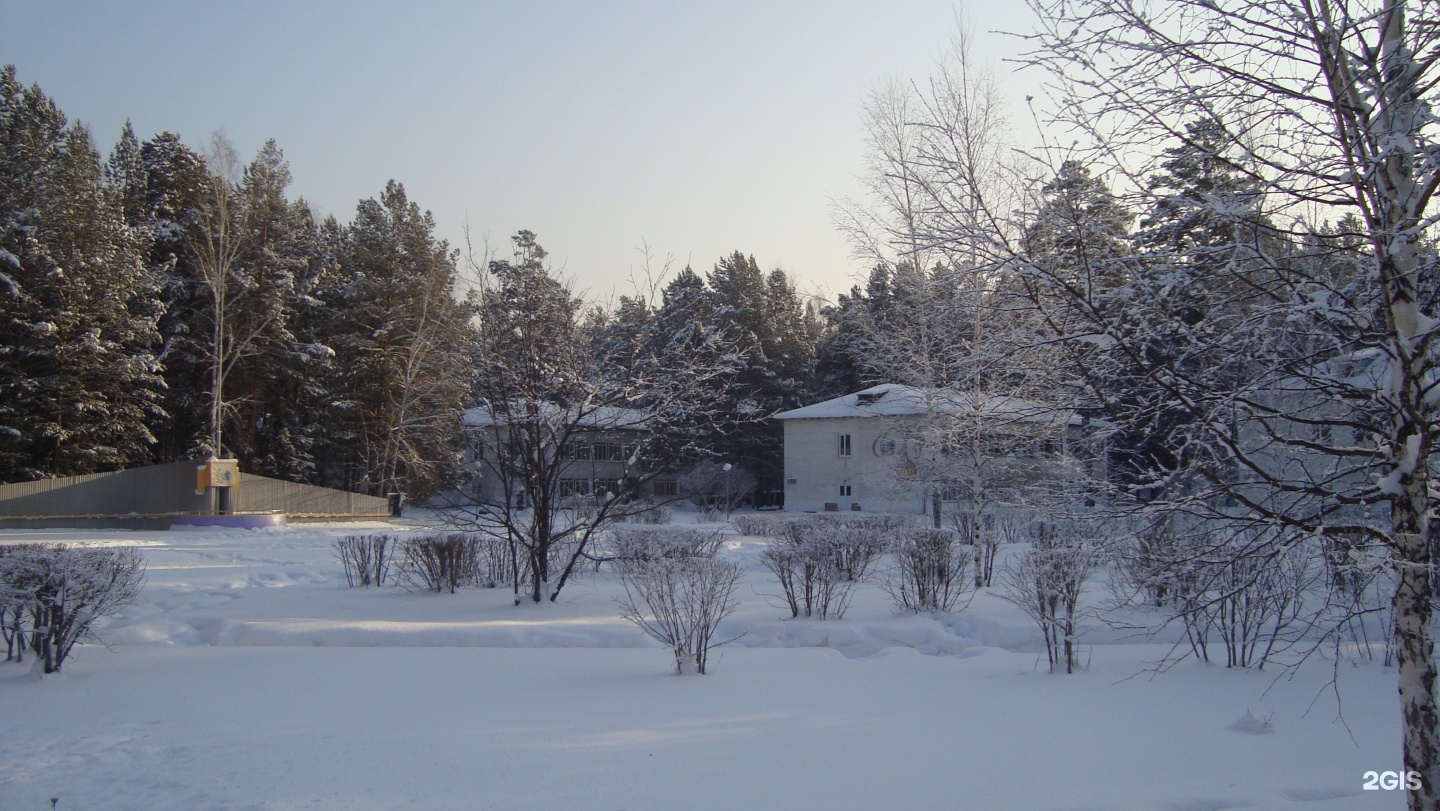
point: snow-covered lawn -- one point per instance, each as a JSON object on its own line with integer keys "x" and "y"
{"x": 249, "y": 677}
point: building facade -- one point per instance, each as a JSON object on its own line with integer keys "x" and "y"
{"x": 899, "y": 449}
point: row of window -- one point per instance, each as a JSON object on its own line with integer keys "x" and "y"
{"x": 886, "y": 447}
{"x": 584, "y": 488}
{"x": 599, "y": 451}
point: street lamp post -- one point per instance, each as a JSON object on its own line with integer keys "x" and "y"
{"x": 728, "y": 496}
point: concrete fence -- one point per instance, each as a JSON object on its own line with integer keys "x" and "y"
{"x": 161, "y": 490}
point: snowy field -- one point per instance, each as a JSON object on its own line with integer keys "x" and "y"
{"x": 248, "y": 676}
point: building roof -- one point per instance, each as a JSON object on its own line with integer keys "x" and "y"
{"x": 896, "y": 400}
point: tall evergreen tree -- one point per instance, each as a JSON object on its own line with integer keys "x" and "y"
{"x": 763, "y": 318}
{"x": 1201, "y": 257}
{"x": 77, "y": 380}
{"x": 275, "y": 256}
{"x": 171, "y": 192}
{"x": 403, "y": 344}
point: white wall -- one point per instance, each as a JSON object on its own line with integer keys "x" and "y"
{"x": 814, "y": 469}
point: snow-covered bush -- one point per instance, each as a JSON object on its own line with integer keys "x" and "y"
{"x": 764, "y": 526}
{"x": 16, "y": 590}
{"x": 657, "y": 515}
{"x": 818, "y": 562}
{"x": 65, "y": 589}
{"x": 651, "y": 543}
{"x": 440, "y": 562}
{"x": 680, "y": 602}
{"x": 929, "y": 570}
{"x": 366, "y": 558}
{"x": 1247, "y": 588}
{"x": 1241, "y": 585}
{"x": 1046, "y": 582}
{"x": 497, "y": 561}
{"x": 884, "y": 525}
{"x": 712, "y": 488}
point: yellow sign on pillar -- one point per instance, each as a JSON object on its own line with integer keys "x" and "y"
{"x": 224, "y": 472}
{"x": 217, "y": 473}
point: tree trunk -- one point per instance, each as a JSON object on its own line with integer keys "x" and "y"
{"x": 1415, "y": 649}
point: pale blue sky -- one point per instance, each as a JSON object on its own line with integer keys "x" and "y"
{"x": 700, "y": 129}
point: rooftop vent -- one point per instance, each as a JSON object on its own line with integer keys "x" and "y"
{"x": 868, "y": 397}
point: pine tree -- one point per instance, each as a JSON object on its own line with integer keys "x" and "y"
{"x": 403, "y": 352}
{"x": 762, "y": 317}
{"x": 273, "y": 376}
{"x": 77, "y": 380}
{"x": 1199, "y": 269}
{"x": 172, "y": 192}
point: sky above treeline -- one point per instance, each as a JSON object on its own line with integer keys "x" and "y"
{"x": 695, "y": 129}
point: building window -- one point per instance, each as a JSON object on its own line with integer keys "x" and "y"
{"x": 667, "y": 487}
{"x": 884, "y": 447}
{"x": 577, "y": 450}
{"x": 608, "y": 452}
{"x": 845, "y": 490}
{"x": 844, "y": 444}
{"x": 571, "y": 488}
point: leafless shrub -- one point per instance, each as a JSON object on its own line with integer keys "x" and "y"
{"x": 17, "y": 586}
{"x": 637, "y": 543}
{"x": 883, "y": 525}
{"x": 497, "y": 561}
{"x": 680, "y": 602}
{"x": 1244, "y": 586}
{"x": 657, "y": 515}
{"x": 366, "y": 558}
{"x": 818, "y": 563}
{"x": 66, "y": 589}
{"x": 714, "y": 487}
{"x": 1247, "y": 588}
{"x": 1143, "y": 556}
{"x": 763, "y": 526}
{"x": 929, "y": 570}
{"x": 439, "y": 562}
{"x": 1046, "y": 582}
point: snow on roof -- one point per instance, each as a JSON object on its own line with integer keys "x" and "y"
{"x": 600, "y": 418}
{"x": 895, "y": 400}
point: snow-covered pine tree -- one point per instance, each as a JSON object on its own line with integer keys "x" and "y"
{"x": 762, "y": 316}
{"x": 403, "y": 351}
{"x": 77, "y": 380}
{"x": 171, "y": 190}
{"x": 272, "y": 408}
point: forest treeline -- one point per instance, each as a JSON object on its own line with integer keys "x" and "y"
{"x": 345, "y": 351}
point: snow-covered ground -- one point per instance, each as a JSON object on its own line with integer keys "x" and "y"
{"x": 248, "y": 676}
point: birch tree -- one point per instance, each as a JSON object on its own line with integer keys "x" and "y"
{"x": 548, "y": 380}
{"x": 942, "y": 317}
{"x": 1325, "y": 108}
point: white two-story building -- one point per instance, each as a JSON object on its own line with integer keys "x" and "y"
{"x": 894, "y": 448}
